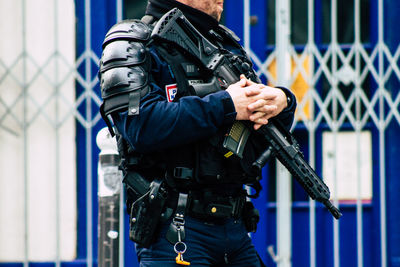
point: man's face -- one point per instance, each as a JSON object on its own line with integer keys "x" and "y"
{"x": 213, "y": 8}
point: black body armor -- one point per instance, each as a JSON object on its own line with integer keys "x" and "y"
{"x": 124, "y": 68}
{"x": 153, "y": 181}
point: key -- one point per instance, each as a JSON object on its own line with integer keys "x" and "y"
{"x": 179, "y": 260}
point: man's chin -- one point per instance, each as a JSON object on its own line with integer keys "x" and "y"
{"x": 217, "y": 16}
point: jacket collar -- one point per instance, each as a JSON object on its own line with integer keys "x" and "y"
{"x": 202, "y": 21}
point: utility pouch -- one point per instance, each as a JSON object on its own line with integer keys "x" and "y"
{"x": 145, "y": 214}
{"x": 251, "y": 216}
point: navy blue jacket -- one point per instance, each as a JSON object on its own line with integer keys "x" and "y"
{"x": 162, "y": 124}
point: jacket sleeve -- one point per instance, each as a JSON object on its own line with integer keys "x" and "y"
{"x": 162, "y": 124}
{"x": 286, "y": 117}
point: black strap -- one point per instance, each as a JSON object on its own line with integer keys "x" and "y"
{"x": 134, "y": 103}
{"x": 174, "y": 58}
{"x": 181, "y": 207}
{"x": 183, "y": 173}
{"x": 106, "y": 120}
{"x": 212, "y": 206}
{"x": 256, "y": 186}
{"x": 176, "y": 231}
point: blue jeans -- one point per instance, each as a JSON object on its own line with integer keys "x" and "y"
{"x": 226, "y": 244}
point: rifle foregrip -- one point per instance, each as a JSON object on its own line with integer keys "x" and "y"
{"x": 314, "y": 186}
{"x": 310, "y": 181}
{"x": 263, "y": 159}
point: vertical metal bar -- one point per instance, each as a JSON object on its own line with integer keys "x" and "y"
{"x": 119, "y": 10}
{"x": 357, "y": 44}
{"x": 25, "y": 133}
{"x": 313, "y": 247}
{"x": 334, "y": 45}
{"x": 336, "y": 252}
{"x": 382, "y": 181}
{"x": 57, "y": 137}
{"x": 89, "y": 178}
{"x": 310, "y": 45}
{"x": 392, "y": 133}
{"x": 121, "y": 255}
{"x": 246, "y": 25}
{"x": 121, "y": 258}
{"x": 284, "y": 215}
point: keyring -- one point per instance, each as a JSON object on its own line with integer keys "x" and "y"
{"x": 176, "y": 247}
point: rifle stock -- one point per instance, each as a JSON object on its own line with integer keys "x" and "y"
{"x": 226, "y": 68}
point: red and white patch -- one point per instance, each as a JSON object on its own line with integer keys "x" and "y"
{"x": 171, "y": 91}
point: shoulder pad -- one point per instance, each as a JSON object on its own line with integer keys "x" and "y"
{"x": 122, "y": 80}
{"x": 122, "y": 88}
{"x": 124, "y": 66}
{"x": 122, "y": 53}
{"x": 124, "y": 45}
{"x": 128, "y": 29}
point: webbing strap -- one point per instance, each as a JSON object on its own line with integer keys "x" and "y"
{"x": 181, "y": 206}
{"x": 176, "y": 231}
{"x": 106, "y": 120}
{"x": 174, "y": 59}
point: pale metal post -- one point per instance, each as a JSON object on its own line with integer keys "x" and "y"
{"x": 109, "y": 194}
{"x": 284, "y": 184}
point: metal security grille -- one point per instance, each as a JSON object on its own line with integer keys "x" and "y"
{"x": 49, "y": 102}
{"x": 350, "y": 88}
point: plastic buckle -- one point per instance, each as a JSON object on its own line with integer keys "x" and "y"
{"x": 182, "y": 173}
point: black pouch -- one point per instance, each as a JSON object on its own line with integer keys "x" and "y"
{"x": 145, "y": 214}
{"x": 251, "y": 216}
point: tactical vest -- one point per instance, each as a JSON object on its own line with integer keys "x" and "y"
{"x": 124, "y": 76}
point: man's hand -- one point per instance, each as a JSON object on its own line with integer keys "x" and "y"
{"x": 243, "y": 94}
{"x": 256, "y": 102}
{"x": 271, "y": 102}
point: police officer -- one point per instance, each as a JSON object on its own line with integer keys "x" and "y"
{"x": 185, "y": 193}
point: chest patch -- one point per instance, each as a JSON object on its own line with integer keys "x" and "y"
{"x": 171, "y": 90}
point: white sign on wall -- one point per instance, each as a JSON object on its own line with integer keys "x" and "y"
{"x": 347, "y": 164}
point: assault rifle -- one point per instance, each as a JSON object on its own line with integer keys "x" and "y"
{"x": 226, "y": 68}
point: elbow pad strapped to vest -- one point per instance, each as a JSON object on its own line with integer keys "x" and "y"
{"x": 124, "y": 67}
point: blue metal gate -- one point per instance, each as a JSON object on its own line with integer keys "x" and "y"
{"x": 367, "y": 234}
